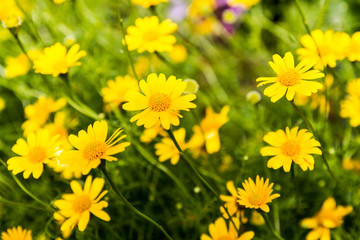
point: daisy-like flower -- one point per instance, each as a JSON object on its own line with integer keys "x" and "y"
{"x": 76, "y": 207}
{"x": 231, "y": 204}
{"x": 291, "y": 146}
{"x": 330, "y": 216}
{"x": 167, "y": 150}
{"x": 220, "y": 231}
{"x": 147, "y": 3}
{"x": 161, "y": 101}
{"x": 290, "y": 79}
{"x": 92, "y": 147}
{"x": 353, "y": 53}
{"x": 150, "y": 134}
{"x": 150, "y": 35}
{"x": 16, "y": 233}
{"x": 256, "y": 194}
{"x": 56, "y": 60}
{"x": 17, "y": 66}
{"x": 39, "y": 148}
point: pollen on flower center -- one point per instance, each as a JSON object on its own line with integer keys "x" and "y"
{"x": 290, "y": 148}
{"x": 256, "y": 199}
{"x": 94, "y": 150}
{"x": 37, "y": 154}
{"x": 289, "y": 78}
{"x": 82, "y": 203}
{"x": 159, "y": 102}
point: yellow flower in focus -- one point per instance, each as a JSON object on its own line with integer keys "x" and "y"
{"x": 2, "y": 104}
{"x": 39, "y": 148}
{"x": 115, "y": 91}
{"x": 256, "y": 195}
{"x": 56, "y": 60}
{"x": 220, "y": 231}
{"x": 353, "y": 52}
{"x": 16, "y": 233}
{"x": 10, "y": 14}
{"x": 92, "y": 147}
{"x": 167, "y": 150}
{"x": 147, "y": 3}
{"x": 291, "y": 146}
{"x": 39, "y": 112}
{"x": 76, "y": 207}
{"x": 329, "y": 217}
{"x": 60, "y": 1}
{"x": 243, "y": 3}
{"x": 150, "y": 35}
{"x": 17, "y": 66}
{"x": 178, "y": 54}
{"x": 161, "y": 101}
{"x": 290, "y": 79}
{"x": 231, "y": 204}
{"x": 150, "y": 133}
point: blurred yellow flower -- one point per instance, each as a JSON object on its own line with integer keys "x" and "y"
{"x": 10, "y": 14}
{"x": 167, "y": 150}
{"x": 60, "y": 1}
{"x": 353, "y": 52}
{"x": 349, "y": 107}
{"x": 2, "y": 104}
{"x": 150, "y": 35}
{"x": 56, "y": 60}
{"x": 196, "y": 142}
{"x": 243, "y": 3}
{"x": 16, "y": 233}
{"x": 77, "y": 206}
{"x": 200, "y": 8}
{"x": 256, "y": 219}
{"x": 291, "y": 146}
{"x": 220, "y": 231}
{"x": 329, "y": 217}
{"x": 150, "y": 133}
{"x": 147, "y": 3}
{"x": 256, "y": 195}
{"x": 92, "y": 147}
{"x": 115, "y": 91}
{"x": 231, "y": 204}
{"x": 39, "y": 148}
{"x": 161, "y": 101}
{"x": 178, "y": 54}
{"x": 290, "y": 79}
{"x": 17, "y": 66}
{"x": 351, "y": 164}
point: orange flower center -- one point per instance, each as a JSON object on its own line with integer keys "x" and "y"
{"x": 82, "y": 203}
{"x": 290, "y": 148}
{"x": 289, "y": 78}
{"x": 37, "y": 154}
{"x": 94, "y": 150}
{"x": 159, "y": 102}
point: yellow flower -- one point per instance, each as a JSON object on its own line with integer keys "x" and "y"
{"x": 92, "y": 147}
{"x": 76, "y": 207}
{"x": 17, "y": 66}
{"x": 150, "y": 35}
{"x": 256, "y": 219}
{"x": 56, "y": 60}
{"x": 2, "y": 104}
{"x": 231, "y": 203}
{"x": 65, "y": 170}
{"x": 16, "y": 233}
{"x": 10, "y": 15}
{"x": 349, "y": 107}
{"x": 353, "y": 87}
{"x": 161, "y": 101}
{"x": 290, "y": 79}
{"x": 39, "y": 148}
{"x": 353, "y": 52}
{"x": 150, "y": 133}
{"x": 291, "y": 146}
{"x": 196, "y": 142}
{"x": 39, "y": 112}
{"x": 329, "y": 217}
{"x": 220, "y": 231}
{"x": 60, "y": 1}
{"x": 256, "y": 195}
{"x": 147, "y": 3}
{"x": 243, "y": 3}
{"x": 116, "y": 90}
{"x": 178, "y": 54}
{"x": 200, "y": 8}
{"x": 167, "y": 150}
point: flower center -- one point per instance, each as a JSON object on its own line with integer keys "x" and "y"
{"x": 290, "y": 148}
{"x": 37, "y": 154}
{"x": 82, "y": 203}
{"x": 289, "y": 78}
{"x": 256, "y": 199}
{"x": 94, "y": 150}
{"x": 159, "y": 102}
{"x": 151, "y": 35}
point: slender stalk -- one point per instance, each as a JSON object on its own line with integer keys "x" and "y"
{"x": 301, "y": 12}
{"x": 296, "y": 189}
{"x": 15, "y": 35}
{"x": 322, "y": 14}
{"x": 268, "y": 223}
{"x": 185, "y": 157}
{"x": 102, "y": 168}
{"x": 20, "y": 204}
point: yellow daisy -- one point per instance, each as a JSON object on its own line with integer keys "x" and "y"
{"x": 256, "y": 195}
{"x": 291, "y": 146}
{"x": 220, "y": 231}
{"x": 161, "y": 101}
{"x": 150, "y": 35}
{"x": 77, "y": 206}
{"x": 56, "y": 60}
{"x": 39, "y": 148}
{"x": 231, "y": 204}
{"x": 92, "y": 147}
{"x": 147, "y": 3}
{"x": 290, "y": 79}
{"x": 17, "y": 66}
{"x": 16, "y": 233}
{"x": 167, "y": 150}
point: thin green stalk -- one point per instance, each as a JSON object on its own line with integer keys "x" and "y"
{"x": 301, "y": 12}
{"x": 322, "y": 14}
{"x": 15, "y": 35}
{"x": 185, "y": 157}
{"x": 102, "y": 168}
{"x": 20, "y": 204}
{"x": 268, "y": 223}
{"x": 296, "y": 189}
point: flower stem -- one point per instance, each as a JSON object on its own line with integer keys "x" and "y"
{"x": 15, "y": 35}
{"x": 185, "y": 157}
{"x": 268, "y": 223}
{"x": 296, "y": 189}
{"x": 102, "y": 168}
{"x": 301, "y": 12}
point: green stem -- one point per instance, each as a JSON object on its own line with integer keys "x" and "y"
{"x": 268, "y": 223}
{"x": 15, "y": 35}
{"x": 185, "y": 157}
{"x": 102, "y": 168}
{"x": 20, "y": 204}
{"x": 301, "y": 12}
{"x": 322, "y": 14}
{"x": 296, "y": 189}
